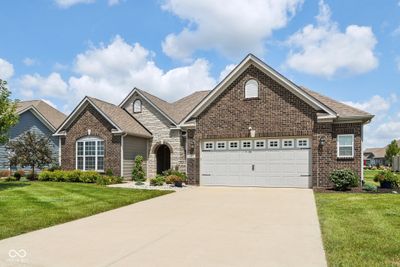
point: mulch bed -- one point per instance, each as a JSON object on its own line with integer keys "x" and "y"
{"x": 355, "y": 190}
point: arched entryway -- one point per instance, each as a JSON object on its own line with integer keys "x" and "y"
{"x": 163, "y": 158}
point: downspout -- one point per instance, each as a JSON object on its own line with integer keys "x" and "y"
{"x": 362, "y": 154}
{"x": 122, "y": 154}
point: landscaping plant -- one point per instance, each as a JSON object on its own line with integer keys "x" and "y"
{"x": 138, "y": 173}
{"x": 8, "y": 115}
{"x": 157, "y": 181}
{"x": 344, "y": 179}
{"x": 387, "y": 179}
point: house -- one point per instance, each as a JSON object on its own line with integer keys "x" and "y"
{"x": 255, "y": 128}
{"x": 376, "y": 156}
{"x": 35, "y": 116}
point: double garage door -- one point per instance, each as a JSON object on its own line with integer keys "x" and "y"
{"x": 265, "y": 163}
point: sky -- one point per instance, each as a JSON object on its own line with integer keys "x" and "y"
{"x": 62, "y": 50}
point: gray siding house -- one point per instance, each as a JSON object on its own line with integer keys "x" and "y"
{"x": 35, "y": 116}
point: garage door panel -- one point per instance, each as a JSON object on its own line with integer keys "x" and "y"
{"x": 268, "y": 168}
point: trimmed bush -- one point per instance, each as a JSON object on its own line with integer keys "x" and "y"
{"x": 72, "y": 176}
{"x": 89, "y": 176}
{"x": 18, "y": 174}
{"x": 370, "y": 187}
{"x": 11, "y": 179}
{"x": 45, "y": 176}
{"x": 106, "y": 180}
{"x": 387, "y": 179}
{"x": 157, "y": 181}
{"x": 5, "y": 173}
{"x": 181, "y": 175}
{"x": 344, "y": 179}
{"x": 69, "y": 176}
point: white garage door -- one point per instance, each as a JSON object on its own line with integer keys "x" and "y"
{"x": 267, "y": 163}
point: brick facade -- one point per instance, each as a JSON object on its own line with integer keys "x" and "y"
{"x": 91, "y": 119}
{"x": 275, "y": 113}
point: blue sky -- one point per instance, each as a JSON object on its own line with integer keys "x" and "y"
{"x": 62, "y": 50}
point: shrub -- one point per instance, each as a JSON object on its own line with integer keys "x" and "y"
{"x": 106, "y": 180}
{"x": 72, "y": 176}
{"x": 109, "y": 172}
{"x": 18, "y": 174}
{"x": 171, "y": 179}
{"x": 31, "y": 176}
{"x": 45, "y": 176}
{"x": 344, "y": 179}
{"x": 157, "y": 181}
{"x": 370, "y": 187}
{"x": 89, "y": 176}
{"x": 23, "y": 179}
{"x": 5, "y": 173}
{"x": 182, "y": 175}
{"x": 387, "y": 179}
{"x": 138, "y": 174}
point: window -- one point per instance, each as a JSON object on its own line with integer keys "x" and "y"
{"x": 137, "y": 106}
{"x": 345, "y": 146}
{"x": 302, "y": 143}
{"x": 90, "y": 154}
{"x": 288, "y": 143}
{"x": 233, "y": 145}
{"x": 221, "y": 145}
{"x": 273, "y": 143}
{"x": 259, "y": 144}
{"x": 251, "y": 89}
{"x": 208, "y": 146}
{"x": 246, "y": 144}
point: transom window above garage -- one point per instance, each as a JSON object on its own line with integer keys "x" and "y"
{"x": 251, "y": 89}
{"x": 273, "y": 143}
{"x": 246, "y": 144}
{"x": 233, "y": 145}
{"x": 260, "y": 144}
{"x": 302, "y": 143}
{"x": 221, "y": 145}
{"x": 208, "y": 145}
{"x": 287, "y": 143}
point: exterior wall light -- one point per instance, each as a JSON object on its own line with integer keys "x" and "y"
{"x": 322, "y": 141}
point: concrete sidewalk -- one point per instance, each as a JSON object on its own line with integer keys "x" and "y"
{"x": 202, "y": 226}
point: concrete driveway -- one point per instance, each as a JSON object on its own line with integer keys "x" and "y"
{"x": 202, "y": 226}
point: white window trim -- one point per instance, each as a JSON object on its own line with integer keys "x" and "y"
{"x": 263, "y": 147}
{"x": 205, "y": 146}
{"x": 338, "y": 146}
{"x": 283, "y": 143}
{"x": 84, "y": 140}
{"x": 243, "y": 141}
{"x": 220, "y": 142}
{"x": 303, "y": 139}
{"x": 233, "y": 148}
{"x": 258, "y": 89}
{"x": 134, "y": 102}
{"x": 273, "y": 147}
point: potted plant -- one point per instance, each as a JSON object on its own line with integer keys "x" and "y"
{"x": 387, "y": 179}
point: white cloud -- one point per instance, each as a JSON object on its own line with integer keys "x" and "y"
{"x": 113, "y": 2}
{"x": 232, "y": 28}
{"x": 226, "y": 71}
{"x": 384, "y": 126}
{"x": 29, "y": 61}
{"x": 33, "y": 85}
{"x": 69, "y": 3}
{"x": 6, "y": 69}
{"x": 324, "y": 50}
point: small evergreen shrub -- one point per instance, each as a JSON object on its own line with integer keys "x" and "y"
{"x": 138, "y": 173}
{"x": 106, "y": 180}
{"x": 18, "y": 174}
{"x": 109, "y": 172}
{"x": 370, "y": 187}
{"x": 11, "y": 179}
{"x": 344, "y": 179}
{"x": 89, "y": 176}
{"x": 157, "y": 181}
{"x": 387, "y": 179}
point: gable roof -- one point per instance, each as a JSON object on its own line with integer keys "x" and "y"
{"x": 174, "y": 111}
{"x": 49, "y": 114}
{"x": 119, "y": 118}
{"x": 327, "y": 108}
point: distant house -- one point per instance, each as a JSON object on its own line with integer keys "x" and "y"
{"x": 376, "y": 156}
{"x": 35, "y": 116}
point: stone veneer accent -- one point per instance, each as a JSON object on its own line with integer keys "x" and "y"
{"x": 91, "y": 119}
{"x": 275, "y": 113}
{"x": 160, "y": 127}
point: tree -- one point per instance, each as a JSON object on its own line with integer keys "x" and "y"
{"x": 138, "y": 174}
{"x": 391, "y": 151}
{"x": 31, "y": 149}
{"x": 8, "y": 116}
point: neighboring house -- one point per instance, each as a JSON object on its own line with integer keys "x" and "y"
{"x": 376, "y": 156}
{"x": 255, "y": 128}
{"x": 35, "y": 116}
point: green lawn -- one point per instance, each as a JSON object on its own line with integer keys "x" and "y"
{"x": 25, "y": 207}
{"x": 360, "y": 229}
{"x": 369, "y": 176}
